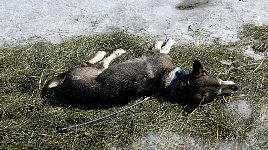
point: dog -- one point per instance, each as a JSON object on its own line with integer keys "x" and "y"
{"x": 97, "y": 85}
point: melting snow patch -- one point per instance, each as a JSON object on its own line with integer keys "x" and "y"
{"x": 226, "y": 62}
{"x": 61, "y": 19}
{"x": 239, "y": 108}
{"x": 169, "y": 140}
{"x": 166, "y": 140}
{"x": 249, "y": 52}
{"x": 258, "y": 136}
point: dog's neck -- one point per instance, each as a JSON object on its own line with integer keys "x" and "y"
{"x": 173, "y": 77}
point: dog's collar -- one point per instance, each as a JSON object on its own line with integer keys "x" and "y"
{"x": 177, "y": 76}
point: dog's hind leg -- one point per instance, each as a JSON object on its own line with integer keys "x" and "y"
{"x": 53, "y": 84}
{"x": 98, "y": 57}
{"x": 107, "y": 60}
{"x": 165, "y": 49}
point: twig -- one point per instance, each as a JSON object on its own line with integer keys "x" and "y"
{"x": 40, "y": 81}
{"x": 258, "y": 66}
{"x": 102, "y": 118}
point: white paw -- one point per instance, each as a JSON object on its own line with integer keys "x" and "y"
{"x": 170, "y": 42}
{"x": 165, "y": 49}
{"x": 102, "y": 53}
{"x": 158, "y": 44}
{"x": 98, "y": 56}
{"x": 119, "y": 52}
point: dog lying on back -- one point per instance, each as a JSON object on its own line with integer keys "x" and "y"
{"x": 97, "y": 84}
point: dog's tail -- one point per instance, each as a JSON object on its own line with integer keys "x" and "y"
{"x": 52, "y": 84}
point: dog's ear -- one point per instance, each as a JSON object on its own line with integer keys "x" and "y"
{"x": 197, "y": 68}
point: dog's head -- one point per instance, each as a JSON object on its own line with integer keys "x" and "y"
{"x": 199, "y": 87}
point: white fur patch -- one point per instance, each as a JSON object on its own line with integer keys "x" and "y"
{"x": 53, "y": 84}
{"x": 149, "y": 70}
{"x": 226, "y": 82}
{"x": 220, "y": 90}
{"x": 167, "y": 47}
{"x": 98, "y": 57}
{"x": 106, "y": 61}
{"x": 158, "y": 44}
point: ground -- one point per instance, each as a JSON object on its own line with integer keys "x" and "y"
{"x": 42, "y": 38}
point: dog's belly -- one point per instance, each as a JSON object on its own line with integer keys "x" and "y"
{"x": 128, "y": 80}
{"x": 114, "y": 83}
{"x": 123, "y": 81}
{"x": 84, "y": 73}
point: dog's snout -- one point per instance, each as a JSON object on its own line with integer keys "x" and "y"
{"x": 229, "y": 84}
{"x": 234, "y": 87}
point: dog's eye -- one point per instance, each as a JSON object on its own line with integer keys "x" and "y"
{"x": 197, "y": 96}
{"x": 205, "y": 72}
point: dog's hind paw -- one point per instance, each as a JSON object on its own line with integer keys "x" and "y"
{"x": 98, "y": 57}
{"x": 119, "y": 52}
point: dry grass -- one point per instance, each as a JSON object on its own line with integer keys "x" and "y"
{"x": 29, "y": 122}
{"x": 258, "y": 35}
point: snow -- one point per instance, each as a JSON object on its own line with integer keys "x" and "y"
{"x": 170, "y": 140}
{"x": 23, "y": 21}
{"x": 249, "y": 52}
{"x": 239, "y": 109}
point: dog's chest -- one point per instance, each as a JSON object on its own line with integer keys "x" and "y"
{"x": 150, "y": 71}
{"x": 170, "y": 76}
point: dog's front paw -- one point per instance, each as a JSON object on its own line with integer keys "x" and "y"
{"x": 170, "y": 42}
{"x": 158, "y": 45}
{"x": 119, "y": 52}
{"x": 101, "y": 53}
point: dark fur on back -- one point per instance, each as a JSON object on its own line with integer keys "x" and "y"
{"x": 117, "y": 84}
